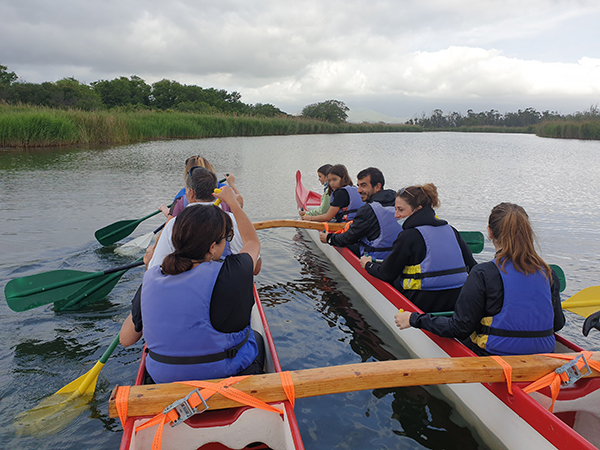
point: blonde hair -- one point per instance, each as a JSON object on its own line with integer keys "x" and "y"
{"x": 421, "y": 195}
{"x": 197, "y": 161}
{"x": 514, "y": 235}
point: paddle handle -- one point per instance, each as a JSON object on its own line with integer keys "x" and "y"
{"x": 137, "y": 263}
{"x": 110, "y": 349}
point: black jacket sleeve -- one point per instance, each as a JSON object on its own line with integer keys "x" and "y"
{"x": 466, "y": 251}
{"x": 364, "y": 225}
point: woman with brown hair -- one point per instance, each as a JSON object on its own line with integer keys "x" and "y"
{"x": 508, "y": 306}
{"x": 429, "y": 261}
{"x": 196, "y": 306}
{"x": 345, "y": 199}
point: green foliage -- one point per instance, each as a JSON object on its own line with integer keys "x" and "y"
{"x": 123, "y": 91}
{"x": 6, "y": 77}
{"x": 332, "y": 111}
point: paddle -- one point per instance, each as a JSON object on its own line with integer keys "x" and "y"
{"x": 474, "y": 239}
{"x": 149, "y": 400}
{"x": 584, "y": 302}
{"x": 64, "y": 287}
{"x": 60, "y": 408}
{"x": 283, "y": 223}
{"x": 140, "y": 243}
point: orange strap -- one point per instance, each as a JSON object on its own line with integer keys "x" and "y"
{"x": 122, "y": 403}
{"x": 554, "y": 379}
{"x": 288, "y": 386}
{"x": 507, "y": 368}
{"x": 343, "y": 230}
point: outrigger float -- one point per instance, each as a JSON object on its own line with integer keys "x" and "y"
{"x": 513, "y": 421}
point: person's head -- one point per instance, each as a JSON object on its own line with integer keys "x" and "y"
{"x": 199, "y": 234}
{"x": 512, "y": 235}
{"x": 413, "y": 198}
{"x": 200, "y": 184}
{"x": 322, "y": 173}
{"x": 338, "y": 177}
{"x": 370, "y": 181}
{"x": 197, "y": 161}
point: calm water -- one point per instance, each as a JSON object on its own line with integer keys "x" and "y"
{"x": 52, "y": 201}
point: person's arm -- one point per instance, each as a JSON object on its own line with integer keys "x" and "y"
{"x": 339, "y": 199}
{"x": 327, "y": 217}
{"x": 364, "y": 225}
{"x": 165, "y": 210}
{"x": 559, "y": 315}
{"x": 325, "y": 204}
{"x": 245, "y": 227}
{"x": 163, "y": 245}
{"x": 231, "y": 182}
{"x": 128, "y": 336}
{"x": 469, "y": 310}
{"x": 394, "y": 264}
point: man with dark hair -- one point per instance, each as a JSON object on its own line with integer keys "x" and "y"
{"x": 374, "y": 229}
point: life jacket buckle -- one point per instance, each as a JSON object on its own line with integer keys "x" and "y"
{"x": 573, "y": 372}
{"x": 184, "y": 409}
{"x": 231, "y": 352}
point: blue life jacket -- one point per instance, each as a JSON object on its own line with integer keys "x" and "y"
{"x": 525, "y": 325}
{"x": 443, "y": 266}
{"x": 178, "y": 331}
{"x": 347, "y": 214}
{"x": 181, "y": 193}
{"x": 389, "y": 229}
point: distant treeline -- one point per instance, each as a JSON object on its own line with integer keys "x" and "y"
{"x": 492, "y": 118}
{"x": 131, "y": 93}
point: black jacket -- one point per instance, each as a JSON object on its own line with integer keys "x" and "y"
{"x": 481, "y": 296}
{"x": 409, "y": 249}
{"x": 365, "y": 224}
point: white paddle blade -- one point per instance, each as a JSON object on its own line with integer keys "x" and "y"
{"x": 136, "y": 245}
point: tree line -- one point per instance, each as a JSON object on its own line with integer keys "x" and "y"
{"x": 493, "y": 118}
{"x": 129, "y": 93}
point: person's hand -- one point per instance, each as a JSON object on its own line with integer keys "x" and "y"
{"x": 227, "y": 195}
{"x": 302, "y": 213}
{"x": 323, "y": 237}
{"x": 307, "y": 217}
{"x": 164, "y": 209}
{"x": 402, "y": 320}
{"x": 593, "y": 321}
{"x": 364, "y": 260}
{"x": 230, "y": 179}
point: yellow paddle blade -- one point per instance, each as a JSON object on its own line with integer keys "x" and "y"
{"x": 584, "y": 302}
{"x": 85, "y": 383}
{"x": 57, "y": 411}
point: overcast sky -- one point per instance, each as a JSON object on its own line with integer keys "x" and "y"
{"x": 397, "y": 58}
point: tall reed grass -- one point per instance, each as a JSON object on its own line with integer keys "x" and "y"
{"x": 33, "y": 126}
{"x": 586, "y": 129}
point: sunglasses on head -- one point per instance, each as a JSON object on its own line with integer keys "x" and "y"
{"x": 190, "y": 158}
{"x": 403, "y": 190}
{"x": 194, "y": 168}
{"x": 228, "y": 238}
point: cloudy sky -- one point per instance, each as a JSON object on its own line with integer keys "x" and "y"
{"x": 397, "y": 58}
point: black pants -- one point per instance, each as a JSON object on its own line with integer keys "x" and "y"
{"x": 255, "y": 368}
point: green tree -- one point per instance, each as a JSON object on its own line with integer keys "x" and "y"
{"x": 330, "y": 110}
{"x": 6, "y": 77}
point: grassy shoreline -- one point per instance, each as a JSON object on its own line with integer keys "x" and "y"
{"x": 33, "y": 126}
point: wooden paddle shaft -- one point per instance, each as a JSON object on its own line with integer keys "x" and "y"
{"x": 152, "y": 399}
{"x": 296, "y": 224}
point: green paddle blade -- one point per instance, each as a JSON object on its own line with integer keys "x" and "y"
{"x": 474, "y": 240}
{"x": 37, "y": 290}
{"x": 92, "y": 292}
{"x": 561, "y": 276}
{"x": 116, "y": 231}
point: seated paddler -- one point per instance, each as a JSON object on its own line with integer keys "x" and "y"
{"x": 195, "y": 308}
{"x": 429, "y": 261}
{"x": 374, "y": 228}
{"x": 508, "y": 306}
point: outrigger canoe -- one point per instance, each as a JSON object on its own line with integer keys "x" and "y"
{"x": 518, "y": 421}
{"x": 236, "y": 428}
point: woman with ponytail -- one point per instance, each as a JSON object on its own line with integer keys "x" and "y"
{"x": 429, "y": 261}
{"x": 196, "y": 306}
{"x": 508, "y": 306}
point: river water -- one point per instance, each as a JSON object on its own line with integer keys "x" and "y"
{"x": 52, "y": 201}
